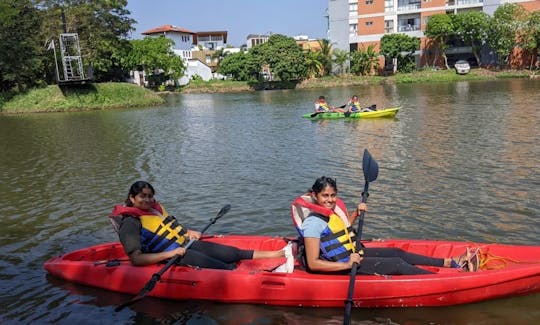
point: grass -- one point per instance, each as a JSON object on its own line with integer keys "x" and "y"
{"x": 122, "y": 95}
{"x": 81, "y": 98}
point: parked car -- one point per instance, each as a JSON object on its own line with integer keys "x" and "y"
{"x": 462, "y": 67}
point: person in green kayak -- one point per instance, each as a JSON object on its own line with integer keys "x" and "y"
{"x": 325, "y": 226}
{"x": 321, "y": 106}
{"x": 354, "y": 106}
{"x": 150, "y": 235}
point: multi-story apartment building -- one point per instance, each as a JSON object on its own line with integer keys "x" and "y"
{"x": 358, "y": 23}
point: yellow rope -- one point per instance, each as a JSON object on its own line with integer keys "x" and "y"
{"x": 489, "y": 261}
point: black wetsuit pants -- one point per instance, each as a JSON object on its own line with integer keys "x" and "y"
{"x": 214, "y": 256}
{"x": 395, "y": 261}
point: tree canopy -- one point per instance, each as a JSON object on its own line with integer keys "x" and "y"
{"x": 283, "y": 56}
{"x": 402, "y": 47}
{"x": 472, "y": 28}
{"x": 22, "y": 55}
{"x": 440, "y": 28}
{"x": 154, "y": 55}
{"x": 102, "y": 25}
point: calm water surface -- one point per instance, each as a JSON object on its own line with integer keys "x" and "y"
{"x": 460, "y": 161}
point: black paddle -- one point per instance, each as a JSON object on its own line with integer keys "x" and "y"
{"x": 371, "y": 171}
{"x": 157, "y": 276}
{"x": 317, "y": 113}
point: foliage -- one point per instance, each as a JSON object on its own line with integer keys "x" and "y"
{"x": 364, "y": 61}
{"x": 22, "y": 55}
{"x": 340, "y": 59}
{"x": 472, "y": 28}
{"x": 508, "y": 20}
{"x": 237, "y": 66}
{"x": 314, "y": 64}
{"x": 326, "y": 56}
{"x": 282, "y": 56}
{"x": 155, "y": 56}
{"x": 102, "y": 27}
{"x": 530, "y": 39}
{"x": 440, "y": 28}
{"x": 402, "y": 47}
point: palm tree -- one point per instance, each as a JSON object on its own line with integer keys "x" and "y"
{"x": 340, "y": 59}
{"x": 364, "y": 61}
{"x": 326, "y": 52}
{"x": 314, "y": 64}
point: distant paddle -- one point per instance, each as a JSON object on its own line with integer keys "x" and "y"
{"x": 157, "y": 276}
{"x": 317, "y": 113}
{"x": 370, "y": 108}
{"x": 371, "y": 171}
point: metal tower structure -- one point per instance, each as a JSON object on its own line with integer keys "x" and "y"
{"x": 70, "y": 54}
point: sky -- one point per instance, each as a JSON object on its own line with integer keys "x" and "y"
{"x": 238, "y": 17}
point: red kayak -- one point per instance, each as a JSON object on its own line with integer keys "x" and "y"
{"x": 505, "y": 271}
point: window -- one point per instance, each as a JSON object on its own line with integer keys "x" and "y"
{"x": 352, "y": 29}
{"x": 369, "y": 23}
{"x": 369, "y": 2}
{"x": 388, "y": 26}
{"x": 353, "y": 8}
{"x": 388, "y": 5}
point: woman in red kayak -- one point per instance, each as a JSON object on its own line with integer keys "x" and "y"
{"x": 329, "y": 239}
{"x": 150, "y": 235}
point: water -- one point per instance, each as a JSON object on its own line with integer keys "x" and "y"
{"x": 460, "y": 161}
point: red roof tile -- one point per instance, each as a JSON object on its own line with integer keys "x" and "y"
{"x": 167, "y": 28}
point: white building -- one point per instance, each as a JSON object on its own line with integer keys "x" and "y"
{"x": 183, "y": 41}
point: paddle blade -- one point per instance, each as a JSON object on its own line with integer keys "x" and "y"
{"x": 223, "y": 210}
{"x": 370, "y": 167}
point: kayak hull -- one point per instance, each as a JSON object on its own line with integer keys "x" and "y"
{"x": 106, "y": 266}
{"x": 387, "y": 112}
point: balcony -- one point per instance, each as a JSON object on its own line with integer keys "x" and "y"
{"x": 451, "y": 3}
{"x": 408, "y": 28}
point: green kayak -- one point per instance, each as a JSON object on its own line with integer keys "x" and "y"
{"x": 387, "y": 112}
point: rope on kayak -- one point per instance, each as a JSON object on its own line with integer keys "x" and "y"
{"x": 490, "y": 261}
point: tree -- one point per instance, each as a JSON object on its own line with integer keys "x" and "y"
{"x": 402, "y": 47}
{"x": 472, "y": 28}
{"x": 314, "y": 65}
{"x": 155, "y": 56}
{"x": 506, "y": 25}
{"x": 530, "y": 39}
{"x": 282, "y": 55}
{"x": 237, "y": 66}
{"x": 22, "y": 55}
{"x": 326, "y": 56}
{"x": 440, "y": 28}
{"x": 364, "y": 61}
{"x": 340, "y": 59}
{"x": 102, "y": 27}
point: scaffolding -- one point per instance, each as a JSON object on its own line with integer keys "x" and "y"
{"x": 70, "y": 57}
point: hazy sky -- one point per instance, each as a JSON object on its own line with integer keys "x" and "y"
{"x": 238, "y": 17}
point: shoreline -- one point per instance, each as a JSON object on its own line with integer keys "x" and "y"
{"x": 104, "y": 96}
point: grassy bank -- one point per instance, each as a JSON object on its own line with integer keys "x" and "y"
{"x": 427, "y": 75}
{"x": 122, "y": 95}
{"x": 81, "y": 98}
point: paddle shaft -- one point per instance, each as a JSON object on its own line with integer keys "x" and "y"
{"x": 157, "y": 276}
{"x": 371, "y": 171}
{"x": 349, "y": 301}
